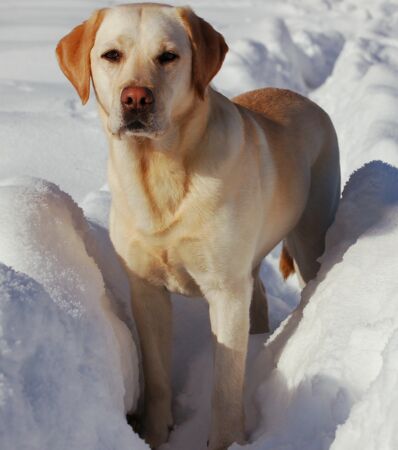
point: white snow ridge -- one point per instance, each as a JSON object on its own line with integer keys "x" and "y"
{"x": 69, "y": 367}
{"x": 326, "y": 378}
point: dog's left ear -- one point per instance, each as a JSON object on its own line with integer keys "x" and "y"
{"x": 73, "y": 54}
{"x": 208, "y": 49}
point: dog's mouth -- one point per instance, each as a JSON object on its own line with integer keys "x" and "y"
{"x": 135, "y": 125}
{"x": 140, "y": 127}
{"x": 137, "y": 122}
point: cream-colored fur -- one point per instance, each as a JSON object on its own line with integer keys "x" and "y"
{"x": 203, "y": 193}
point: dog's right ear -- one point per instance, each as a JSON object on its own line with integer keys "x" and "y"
{"x": 73, "y": 54}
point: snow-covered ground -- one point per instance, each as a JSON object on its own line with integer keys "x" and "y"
{"x": 327, "y": 376}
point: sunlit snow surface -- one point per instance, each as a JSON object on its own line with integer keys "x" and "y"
{"x": 327, "y": 378}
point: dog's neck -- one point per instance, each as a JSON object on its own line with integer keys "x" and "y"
{"x": 153, "y": 176}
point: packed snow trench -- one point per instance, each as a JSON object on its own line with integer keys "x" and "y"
{"x": 326, "y": 377}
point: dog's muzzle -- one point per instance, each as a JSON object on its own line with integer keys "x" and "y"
{"x": 138, "y": 105}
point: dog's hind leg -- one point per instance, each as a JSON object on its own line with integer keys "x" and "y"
{"x": 306, "y": 242}
{"x": 258, "y": 307}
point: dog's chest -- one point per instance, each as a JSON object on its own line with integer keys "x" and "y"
{"x": 162, "y": 267}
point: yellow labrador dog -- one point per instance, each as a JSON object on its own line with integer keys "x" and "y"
{"x": 202, "y": 188}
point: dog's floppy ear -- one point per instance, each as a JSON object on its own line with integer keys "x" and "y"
{"x": 208, "y": 49}
{"x": 73, "y": 54}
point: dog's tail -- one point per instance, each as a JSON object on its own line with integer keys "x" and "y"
{"x": 286, "y": 264}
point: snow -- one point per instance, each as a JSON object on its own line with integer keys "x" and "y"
{"x": 69, "y": 366}
{"x": 372, "y": 108}
{"x": 327, "y": 375}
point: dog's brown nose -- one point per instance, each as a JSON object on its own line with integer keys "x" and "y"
{"x": 137, "y": 98}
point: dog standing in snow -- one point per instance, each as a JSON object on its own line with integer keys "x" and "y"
{"x": 202, "y": 188}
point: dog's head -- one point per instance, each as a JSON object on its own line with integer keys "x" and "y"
{"x": 148, "y": 63}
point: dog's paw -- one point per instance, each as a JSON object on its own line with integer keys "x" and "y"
{"x": 157, "y": 425}
{"x": 218, "y": 447}
{"x": 218, "y": 442}
{"x": 135, "y": 421}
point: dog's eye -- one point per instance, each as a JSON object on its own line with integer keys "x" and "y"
{"x": 112, "y": 55}
{"x": 167, "y": 57}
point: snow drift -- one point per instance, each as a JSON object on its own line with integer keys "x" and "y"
{"x": 69, "y": 366}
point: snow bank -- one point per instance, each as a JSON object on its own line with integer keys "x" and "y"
{"x": 273, "y": 54}
{"x": 361, "y": 98}
{"x": 375, "y": 430}
{"x": 335, "y": 356}
{"x": 69, "y": 366}
{"x": 251, "y": 63}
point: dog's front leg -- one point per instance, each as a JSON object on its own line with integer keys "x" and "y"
{"x": 153, "y": 315}
{"x": 229, "y": 305}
